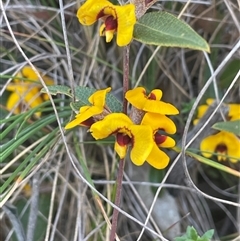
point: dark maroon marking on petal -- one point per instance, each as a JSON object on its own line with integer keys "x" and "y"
{"x": 122, "y": 139}
{"x": 221, "y": 148}
{"x": 88, "y": 122}
{"x": 111, "y": 23}
{"x": 152, "y": 96}
{"x": 101, "y": 14}
{"x": 159, "y": 139}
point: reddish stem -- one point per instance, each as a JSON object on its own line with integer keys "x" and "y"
{"x": 122, "y": 161}
{"x": 117, "y": 199}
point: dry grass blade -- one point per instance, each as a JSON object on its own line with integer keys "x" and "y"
{"x": 54, "y": 185}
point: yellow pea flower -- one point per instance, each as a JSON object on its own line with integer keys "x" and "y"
{"x": 233, "y": 114}
{"x": 117, "y": 19}
{"x": 150, "y": 103}
{"x": 138, "y": 137}
{"x": 26, "y": 93}
{"x": 157, "y": 158}
{"x": 225, "y": 144}
{"x": 87, "y": 113}
{"x": 144, "y": 140}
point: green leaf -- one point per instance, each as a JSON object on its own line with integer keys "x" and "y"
{"x": 192, "y": 233}
{"x": 208, "y": 235}
{"x": 58, "y": 89}
{"x": 82, "y": 95}
{"x": 230, "y": 126}
{"x": 113, "y": 103}
{"x": 162, "y": 28}
{"x": 209, "y": 162}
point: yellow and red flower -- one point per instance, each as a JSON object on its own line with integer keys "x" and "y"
{"x": 88, "y": 113}
{"x": 143, "y": 139}
{"x": 225, "y": 144}
{"x": 150, "y": 103}
{"x": 117, "y": 19}
{"x": 25, "y": 89}
{"x": 139, "y": 137}
{"x": 233, "y": 113}
{"x": 157, "y": 158}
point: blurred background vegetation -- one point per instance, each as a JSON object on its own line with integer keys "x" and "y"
{"x": 44, "y": 192}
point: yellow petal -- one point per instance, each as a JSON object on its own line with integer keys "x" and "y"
{"x": 18, "y": 78}
{"x": 222, "y": 156}
{"x": 150, "y": 103}
{"x": 12, "y": 103}
{"x": 202, "y": 110}
{"x": 169, "y": 142}
{"x": 234, "y": 112}
{"x": 48, "y": 81}
{"x": 157, "y": 158}
{"x": 98, "y": 97}
{"x": 33, "y": 99}
{"x": 72, "y": 124}
{"x": 89, "y": 12}
{"x": 142, "y": 143}
{"x": 136, "y": 97}
{"x": 121, "y": 150}
{"x": 126, "y": 20}
{"x": 209, "y": 144}
{"x": 26, "y": 90}
{"x": 111, "y": 124}
{"x": 109, "y": 10}
{"x": 155, "y": 94}
{"x": 209, "y": 101}
{"x": 232, "y": 143}
{"x": 86, "y": 112}
{"x": 108, "y": 28}
{"x": 102, "y": 30}
{"x": 19, "y": 88}
{"x": 30, "y": 98}
{"x": 45, "y": 96}
{"x": 109, "y": 35}
{"x": 160, "y": 107}
{"x": 195, "y": 121}
{"x": 28, "y": 72}
{"x": 158, "y": 121}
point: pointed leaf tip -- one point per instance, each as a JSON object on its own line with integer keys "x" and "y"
{"x": 164, "y": 29}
